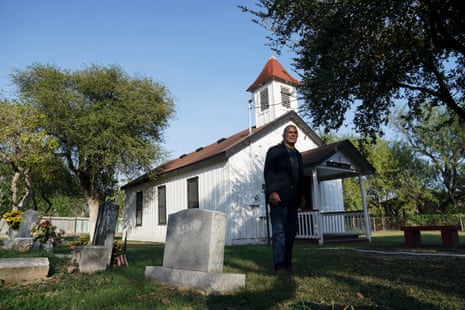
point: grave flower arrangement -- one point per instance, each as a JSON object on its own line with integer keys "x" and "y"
{"x": 13, "y": 218}
{"x": 43, "y": 231}
{"x": 83, "y": 240}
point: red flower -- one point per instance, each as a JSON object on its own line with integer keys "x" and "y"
{"x": 44, "y": 223}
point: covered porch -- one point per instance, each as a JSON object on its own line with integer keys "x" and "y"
{"x": 334, "y": 161}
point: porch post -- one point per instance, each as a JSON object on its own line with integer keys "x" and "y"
{"x": 316, "y": 203}
{"x": 366, "y": 215}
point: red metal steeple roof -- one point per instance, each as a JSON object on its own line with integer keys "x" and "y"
{"x": 272, "y": 70}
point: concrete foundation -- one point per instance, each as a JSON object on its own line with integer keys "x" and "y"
{"x": 209, "y": 282}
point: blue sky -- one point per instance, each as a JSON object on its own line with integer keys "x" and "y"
{"x": 206, "y": 52}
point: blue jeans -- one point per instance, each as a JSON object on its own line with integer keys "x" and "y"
{"x": 284, "y": 228}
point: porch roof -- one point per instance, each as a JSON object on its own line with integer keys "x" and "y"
{"x": 336, "y": 161}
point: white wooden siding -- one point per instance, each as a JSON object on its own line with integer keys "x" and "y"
{"x": 212, "y": 196}
{"x": 247, "y": 207}
{"x": 275, "y": 109}
{"x": 233, "y": 187}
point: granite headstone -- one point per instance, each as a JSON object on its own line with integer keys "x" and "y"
{"x": 195, "y": 241}
{"x": 29, "y": 218}
{"x": 97, "y": 257}
{"x": 194, "y": 253}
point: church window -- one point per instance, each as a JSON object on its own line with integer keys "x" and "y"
{"x": 162, "y": 205}
{"x": 286, "y": 97}
{"x": 139, "y": 208}
{"x": 264, "y": 101}
{"x": 193, "y": 193}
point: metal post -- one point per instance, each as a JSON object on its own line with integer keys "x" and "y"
{"x": 268, "y": 237}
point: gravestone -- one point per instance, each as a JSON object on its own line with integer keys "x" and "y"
{"x": 29, "y": 218}
{"x": 23, "y": 245}
{"x": 97, "y": 257}
{"x": 24, "y": 269}
{"x": 194, "y": 253}
{"x": 105, "y": 227}
{"x": 93, "y": 258}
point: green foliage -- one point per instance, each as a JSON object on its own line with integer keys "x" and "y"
{"x": 365, "y": 54}
{"x": 402, "y": 184}
{"x": 25, "y": 150}
{"x": 66, "y": 205}
{"x": 103, "y": 119}
{"x": 106, "y": 123}
{"x": 5, "y": 188}
{"x": 434, "y": 219}
{"x": 328, "y": 277}
{"x": 352, "y": 195}
{"x": 84, "y": 239}
{"x": 439, "y": 138}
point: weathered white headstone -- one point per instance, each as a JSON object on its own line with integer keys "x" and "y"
{"x": 93, "y": 258}
{"x": 194, "y": 253}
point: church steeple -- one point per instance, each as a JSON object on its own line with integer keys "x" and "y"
{"x": 274, "y": 92}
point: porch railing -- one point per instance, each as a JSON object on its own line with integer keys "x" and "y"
{"x": 314, "y": 223}
{"x": 309, "y": 225}
{"x": 344, "y": 222}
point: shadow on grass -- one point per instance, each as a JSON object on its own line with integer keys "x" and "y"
{"x": 264, "y": 289}
{"x": 340, "y": 278}
{"x": 327, "y": 277}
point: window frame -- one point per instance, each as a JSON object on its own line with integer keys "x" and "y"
{"x": 162, "y": 218}
{"x": 193, "y": 193}
{"x": 264, "y": 99}
{"x": 286, "y": 96}
{"x": 139, "y": 207}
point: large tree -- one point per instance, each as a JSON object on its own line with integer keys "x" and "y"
{"x": 365, "y": 54}
{"x": 25, "y": 151}
{"x": 107, "y": 123}
{"x": 440, "y": 139}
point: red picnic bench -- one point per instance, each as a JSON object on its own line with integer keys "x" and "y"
{"x": 449, "y": 235}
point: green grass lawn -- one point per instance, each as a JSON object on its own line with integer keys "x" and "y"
{"x": 333, "y": 276}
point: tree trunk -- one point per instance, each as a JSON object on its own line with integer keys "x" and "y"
{"x": 14, "y": 190}
{"x": 93, "y": 203}
{"x": 23, "y": 204}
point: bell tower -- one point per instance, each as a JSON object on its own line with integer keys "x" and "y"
{"x": 274, "y": 92}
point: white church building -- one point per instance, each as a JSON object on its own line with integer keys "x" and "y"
{"x": 227, "y": 176}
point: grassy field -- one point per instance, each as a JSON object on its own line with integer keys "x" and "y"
{"x": 333, "y": 276}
